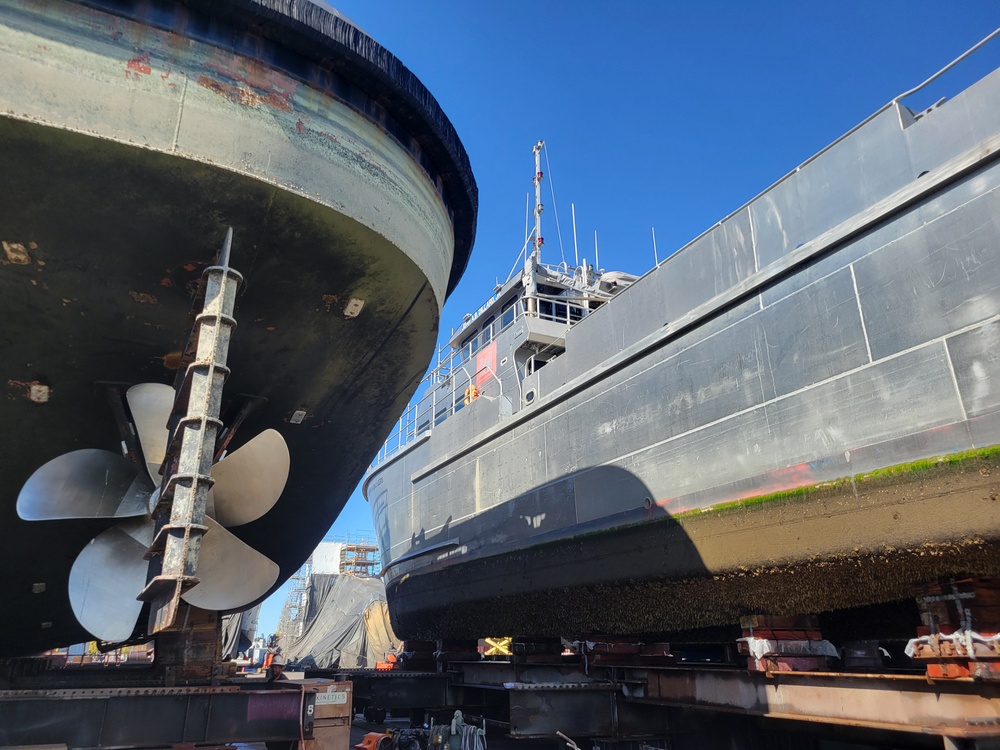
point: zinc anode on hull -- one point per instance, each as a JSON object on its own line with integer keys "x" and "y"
{"x": 841, "y": 323}
{"x": 139, "y": 132}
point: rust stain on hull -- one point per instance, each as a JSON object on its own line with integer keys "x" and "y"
{"x": 138, "y": 65}
{"x": 35, "y": 390}
{"x": 16, "y": 253}
{"x": 143, "y": 299}
{"x": 245, "y": 95}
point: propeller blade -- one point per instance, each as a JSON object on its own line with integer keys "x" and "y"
{"x": 249, "y": 481}
{"x": 106, "y": 578}
{"x": 232, "y": 573}
{"x": 88, "y": 483}
{"x": 151, "y": 404}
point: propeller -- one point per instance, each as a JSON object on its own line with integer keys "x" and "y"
{"x": 88, "y": 483}
{"x": 111, "y": 570}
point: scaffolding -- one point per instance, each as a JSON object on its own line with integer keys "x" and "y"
{"x": 293, "y": 612}
{"x": 360, "y": 558}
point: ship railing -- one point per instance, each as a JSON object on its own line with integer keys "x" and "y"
{"x": 893, "y": 103}
{"x": 442, "y": 391}
{"x": 473, "y": 390}
{"x": 555, "y": 309}
{"x": 441, "y": 400}
{"x": 569, "y": 275}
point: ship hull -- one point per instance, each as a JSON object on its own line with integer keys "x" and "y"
{"x": 797, "y": 412}
{"x": 137, "y": 137}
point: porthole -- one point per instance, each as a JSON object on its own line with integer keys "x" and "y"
{"x": 647, "y": 503}
{"x": 529, "y": 396}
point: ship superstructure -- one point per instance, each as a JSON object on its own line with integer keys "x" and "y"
{"x": 513, "y": 335}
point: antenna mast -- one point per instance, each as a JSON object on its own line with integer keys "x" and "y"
{"x": 597, "y": 256}
{"x": 537, "y": 151}
{"x": 532, "y": 260}
{"x": 576, "y": 253}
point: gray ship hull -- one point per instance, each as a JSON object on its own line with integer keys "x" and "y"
{"x": 796, "y": 412}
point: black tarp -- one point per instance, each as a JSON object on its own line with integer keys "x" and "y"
{"x": 347, "y": 625}
{"x": 238, "y": 632}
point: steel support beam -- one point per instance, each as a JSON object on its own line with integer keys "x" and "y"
{"x": 498, "y": 674}
{"x": 398, "y": 690}
{"x": 960, "y": 708}
{"x": 593, "y": 709}
{"x": 130, "y": 717}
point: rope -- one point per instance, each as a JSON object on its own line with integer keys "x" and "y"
{"x": 471, "y": 738}
{"x": 555, "y": 207}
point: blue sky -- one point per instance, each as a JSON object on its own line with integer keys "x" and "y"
{"x": 656, "y": 113}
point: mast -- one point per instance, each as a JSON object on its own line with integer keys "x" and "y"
{"x": 532, "y": 260}
{"x": 576, "y": 252}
